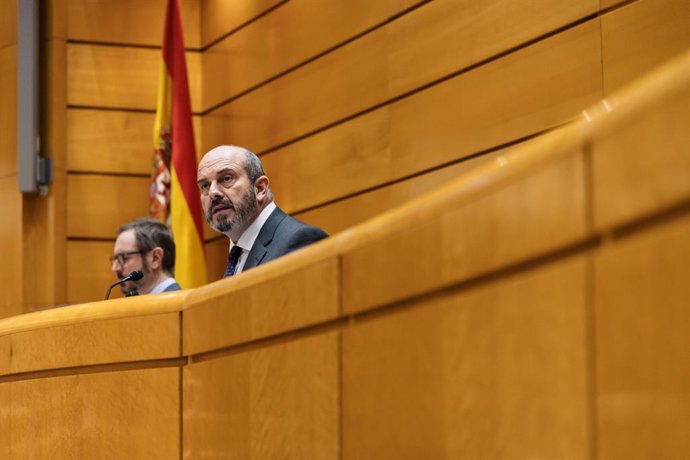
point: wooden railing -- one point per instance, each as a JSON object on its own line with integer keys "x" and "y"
{"x": 535, "y": 307}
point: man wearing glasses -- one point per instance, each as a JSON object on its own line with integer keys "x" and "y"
{"x": 146, "y": 245}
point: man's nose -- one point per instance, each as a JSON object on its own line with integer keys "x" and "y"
{"x": 214, "y": 189}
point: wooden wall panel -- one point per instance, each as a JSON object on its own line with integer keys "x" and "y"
{"x": 97, "y": 204}
{"x": 127, "y": 414}
{"x": 264, "y": 303}
{"x": 641, "y": 36}
{"x": 8, "y": 23}
{"x": 551, "y": 82}
{"x": 610, "y": 3}
{"x": 495, "y": 372}
{"x": 220, "y": 17}
{"x": 10, "y": 246}
{"x": 279, "y": 401}
{"x": 8, "y": 111}
{"x": 442, "y": 37}
{"x": 121, "y": 77}
{"x": 5, "y": 354}
{"x": 517, "y": 220}
{"x": 643, "y": 165}
{"x": 88, "y": 271}
{"x": 110, "y": 141}
{"x": 642, "y": 323}
{"x": 288, "y": 36}
{"x": 217, "y": 258}
{"x": 338, "y": 216}
{"x": 5, "y": 420}
{"x": 133, "y": 22}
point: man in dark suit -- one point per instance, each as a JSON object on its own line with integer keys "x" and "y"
{"x": 238, "y": 202}
{"x": 146, "y": 245}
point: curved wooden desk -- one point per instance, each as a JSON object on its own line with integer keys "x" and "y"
{"x": 534, "y": 308}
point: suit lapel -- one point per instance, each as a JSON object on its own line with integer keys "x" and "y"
{"x": 259, "y": 249}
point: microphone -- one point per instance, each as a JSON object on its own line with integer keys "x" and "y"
{"x": 136, "y": 275}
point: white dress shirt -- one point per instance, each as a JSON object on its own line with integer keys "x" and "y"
{"x": 247, "y": 239}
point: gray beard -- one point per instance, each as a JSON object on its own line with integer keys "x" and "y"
{"x": 244, "y": 211}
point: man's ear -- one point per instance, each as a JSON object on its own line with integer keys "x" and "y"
{"x": 156, "y": 258}
{"x": 261, "y": 188}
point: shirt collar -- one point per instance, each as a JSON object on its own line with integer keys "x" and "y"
{"x": 163, "y": 285}
{"x": 247, "y": 239}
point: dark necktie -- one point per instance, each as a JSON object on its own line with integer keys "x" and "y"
{"x": 233, "y": 258}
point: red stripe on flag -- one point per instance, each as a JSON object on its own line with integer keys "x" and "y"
{"x": 183, "y": 150}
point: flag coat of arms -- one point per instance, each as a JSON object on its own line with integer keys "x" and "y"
{"x": 174, "y": 195}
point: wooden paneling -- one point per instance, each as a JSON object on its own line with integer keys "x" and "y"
{"x": 550, "y": 83}
{"x": 121, "y": 77}
{"x": 5, "y": 354}
{"x": 467, "y": 236}
{"x": 610, "y": 3}
{"x": 129, "y": 21}
{"x": 219, "y": 17}
{"x": 97, "y": 205}
{"x": 640, "y": 36}
{"x": 217, "y": 258}
{"x": 8, "y": 110}
{"x": 5, "y": 419}
{"x": 134, "y": 338}
{"x": 336, "y": 217}
{"x": 88, "y": 271}
{"x": 8, "y": 23}
{"x": 10, "y": 246}
{"x": 642, "y": 323}
{"x": 290, "y": 35}
{"x": 495, "y": 372}
{"x": 133, "y": 414}
{"x": 113, "y": 141}
{"x": 448, "y": 35}
{"x": 275, "y": 402}
{"x": 643, "y": 165}
{"x": 262, "y": 304}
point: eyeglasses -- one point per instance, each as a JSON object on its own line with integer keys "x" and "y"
{"x": 122, "y": 257}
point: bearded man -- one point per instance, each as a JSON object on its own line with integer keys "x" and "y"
{"x": 238, "y": 202}
{"x": 146, "y": 245}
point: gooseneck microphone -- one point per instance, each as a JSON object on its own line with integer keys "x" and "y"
{"x": 136, "y": 275}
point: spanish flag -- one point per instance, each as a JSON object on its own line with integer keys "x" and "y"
{"x": 174, "y": 196}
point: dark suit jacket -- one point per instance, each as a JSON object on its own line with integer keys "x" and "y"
{"x": 280, "y": 235}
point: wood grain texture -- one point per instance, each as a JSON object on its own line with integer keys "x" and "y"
{"x": 431, "y": 127}
{"x": 5, "y": 420}
{"x": 129, "y": 22}
{"x": 442, "y": 37}
{"x": 643, "y": 165}
{"x": 121, "y": 77}
{"x": 8, "y": 110}
{"x": 113, "y": 141}
{"x": 338, "y": 216}
{"x": 603, "y": 4}
{"x": 641, "y": 36}
{"x": 290, "y": 35}
{"x": 97, "y": 204}
{"x": 275, "y": 402}
{"x": 217, "y": 258}
{"x": 128, "y": 414}
{"x": 265, "y": 302}
{"x": 642, "y": 319}
{"x": 470, "y": 235}
{"x": 10, "y": 246}
{"x": 136, "y": 338}
{"x": 8, "y": 23}
{"x": 88, "y": 271}
{"x": 5, "y": 354}
{"x": 220, "y": 17}
{"x": 498, "y": 371}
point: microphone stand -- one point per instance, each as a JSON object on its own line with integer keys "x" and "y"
{"x": 134, "y": 276}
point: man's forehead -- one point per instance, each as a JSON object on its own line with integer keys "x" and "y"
{"x": 126, "y": 241}
{"x": 219, "y": 160}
